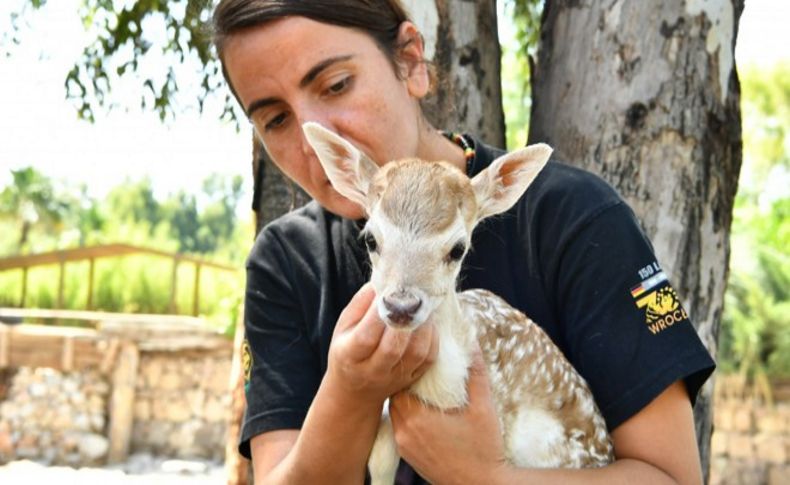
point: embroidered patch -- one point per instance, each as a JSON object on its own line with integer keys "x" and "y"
{"x": 246, "y": 363}
{"x": 660, "y": 301}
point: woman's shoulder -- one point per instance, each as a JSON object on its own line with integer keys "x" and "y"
{"x": 560, "y": 183}
{"x": 560, "y": 188}
{"x": 304, "y": 222}
{"x": 306, "y": 230}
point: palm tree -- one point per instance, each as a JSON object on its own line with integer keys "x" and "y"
{"x": 30, "y": 200}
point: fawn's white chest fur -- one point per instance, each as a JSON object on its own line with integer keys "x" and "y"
{"x": 421, "y": 217}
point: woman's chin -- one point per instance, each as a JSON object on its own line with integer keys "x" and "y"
{"x": 341, "y": 206}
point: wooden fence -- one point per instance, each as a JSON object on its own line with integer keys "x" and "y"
{"x": 90, "y": 254}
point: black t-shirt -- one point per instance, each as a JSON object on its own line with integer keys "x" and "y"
{"x": 570, "y": 255}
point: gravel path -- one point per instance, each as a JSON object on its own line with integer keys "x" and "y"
{"x": 139, "y": 470}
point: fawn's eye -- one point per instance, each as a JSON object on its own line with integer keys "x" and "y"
{"x": 370, "y": 242}
{"x": 457, "y": 252}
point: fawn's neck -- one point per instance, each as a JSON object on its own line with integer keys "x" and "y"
{"x": 444, "y": 384}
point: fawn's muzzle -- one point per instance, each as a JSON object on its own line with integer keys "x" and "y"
{"x": 401, "y": 306}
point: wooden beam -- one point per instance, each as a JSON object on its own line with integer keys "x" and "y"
{"x": 124, "y": 379}
{"x": 65, "y": 348}
{"x": 196, "y": 292}
{"x": 104, "y": 251}
{"x": 141, "y": 318}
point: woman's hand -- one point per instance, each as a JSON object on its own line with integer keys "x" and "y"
{"x": 463, "y": 445}
{"x": 371, "y": 361}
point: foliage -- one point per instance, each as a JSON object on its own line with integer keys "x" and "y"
{"x": 202, "y": 231}
{"x": 122, "y": 42}
{"x": 755, "y": 338}
{"x": 205, "y": 224}
{"x": 518, "y": 57}
{"x": 30, "y": 201}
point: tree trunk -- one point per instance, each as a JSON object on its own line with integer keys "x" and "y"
{"x": 646, "y": 94}
{"x": 274, "y": 194}
{"x": 462, "y": 44}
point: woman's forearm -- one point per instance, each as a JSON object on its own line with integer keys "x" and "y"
{"x": 334, "y": 442}
{"x": 626, "y": 471}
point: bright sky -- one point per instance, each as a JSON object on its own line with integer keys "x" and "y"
{"x": 39, "y": 128}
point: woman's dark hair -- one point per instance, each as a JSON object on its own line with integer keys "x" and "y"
{"x": 381, "y": 19}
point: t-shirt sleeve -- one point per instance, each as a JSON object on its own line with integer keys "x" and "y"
{"x": 279, "y": 362}
{"x": 626, "y": 330}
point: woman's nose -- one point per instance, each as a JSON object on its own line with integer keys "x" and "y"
{"x": 307, "y": 149}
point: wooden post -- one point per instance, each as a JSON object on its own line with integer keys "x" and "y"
{"x": 91, "y": 272}
{"x": 61, "y": 280}
{"x": 24, "y": 288}
{"x": 4, "y": 345}
{"x": 174, "y": 286}
{"x": 236, "y": 466}
{"x": 124, "y": 379}
{"x": 196, "y": 296}
{"x": 67, "y": 358}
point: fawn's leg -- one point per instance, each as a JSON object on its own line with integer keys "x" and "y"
{"x": 384, "y": 458}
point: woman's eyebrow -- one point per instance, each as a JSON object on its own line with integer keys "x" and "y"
{"x": 307, "y": 79}
{"x": 316, "y": 70}
{"x": 260, "y": 103}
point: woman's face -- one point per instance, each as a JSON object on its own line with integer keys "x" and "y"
{"x": 295, "y": 70}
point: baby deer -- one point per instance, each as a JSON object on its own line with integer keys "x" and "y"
{"x": 420, "y": 221}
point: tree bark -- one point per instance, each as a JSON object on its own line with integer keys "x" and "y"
{"x": 462, "y": 44}
{"x": 646, "y": 94}
{"x": 274, "y": 195}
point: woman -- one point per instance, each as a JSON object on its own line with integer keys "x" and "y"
{"x": 570, "y": 255}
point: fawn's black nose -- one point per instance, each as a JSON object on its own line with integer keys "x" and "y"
{"x": 401, "y": 306}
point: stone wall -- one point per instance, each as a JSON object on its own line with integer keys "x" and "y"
{"x": 54, "y": 417}
{"x": 181, "y": 408}
{"x": 751, "y": 439}
{"x": 182, "y": 405}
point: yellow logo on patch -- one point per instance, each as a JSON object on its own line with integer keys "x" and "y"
{"x": 246, "y": 361}
{"x": 662, "y": 309}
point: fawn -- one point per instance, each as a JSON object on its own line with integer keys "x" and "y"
{"x": 420, "y": 220}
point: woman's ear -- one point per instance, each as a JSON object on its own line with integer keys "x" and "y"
{"x": 411, "y": 60}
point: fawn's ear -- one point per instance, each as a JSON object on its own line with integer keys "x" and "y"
{"x": 349, "y": 170}
{"x": 500, "y": 185}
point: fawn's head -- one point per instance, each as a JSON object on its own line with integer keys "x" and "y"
{"x": 420, "y": 217}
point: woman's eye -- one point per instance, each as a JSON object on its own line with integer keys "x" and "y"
{"x": 457, "y": 252}
{"x": 339, "y": 86}
{"x": 370, "y": 243}
{"x": 276, "y": 122}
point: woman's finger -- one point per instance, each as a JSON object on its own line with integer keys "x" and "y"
{"x": 356, "y": 308}
{"x": 478, "y": 384}
{"x": 366, "y": 336}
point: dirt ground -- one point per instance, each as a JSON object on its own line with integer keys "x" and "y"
{"x": 139, "y": 470}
